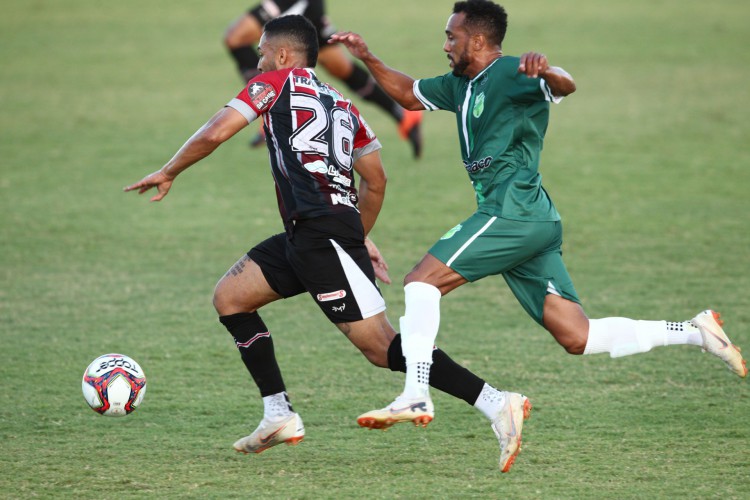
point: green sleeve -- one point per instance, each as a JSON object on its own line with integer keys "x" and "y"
{"x": 437, "y": 93}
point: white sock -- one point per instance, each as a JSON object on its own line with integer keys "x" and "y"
{"x": 419, "y": 328}
{"x": 277, "y": 406}
{"x": 623, "y": 336}
{"x": 490, "y": 401}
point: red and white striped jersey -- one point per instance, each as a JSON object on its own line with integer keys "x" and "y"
{"x": 314, "y": 135}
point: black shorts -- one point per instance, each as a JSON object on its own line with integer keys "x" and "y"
{"x": 325, "y": 256}
{"x": 314, "y": 11}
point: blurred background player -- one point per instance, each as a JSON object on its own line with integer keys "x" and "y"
{"x": 244, "y": 33}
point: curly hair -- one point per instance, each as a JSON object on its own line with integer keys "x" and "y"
{"x": 485, "y": 17}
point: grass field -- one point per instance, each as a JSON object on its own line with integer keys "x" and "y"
{"x": 647, "y": 162}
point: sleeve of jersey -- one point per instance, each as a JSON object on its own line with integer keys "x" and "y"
{"x": 548, "y": 95}
{"x": 435, "y": 93}
{"x": 258, "y": 96}
{"x": 365, "y": 141}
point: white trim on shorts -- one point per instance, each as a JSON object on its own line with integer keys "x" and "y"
{"x": 368, "y": 298}
{"x": 470, "y": 241}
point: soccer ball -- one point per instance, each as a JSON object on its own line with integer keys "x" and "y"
{"x": 114, "y": 385}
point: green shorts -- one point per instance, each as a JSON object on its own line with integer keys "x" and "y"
{"x": 527, "y": 254}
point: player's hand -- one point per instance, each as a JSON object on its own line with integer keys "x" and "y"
{"x": 533, "y": 64}
{"x": 378, "y": 262}
{"x": 158, "y": 179}
{"x": 354, "y": 42}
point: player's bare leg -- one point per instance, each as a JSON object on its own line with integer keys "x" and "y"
{"x": 571, "y": 328}
{"x": 238, "y": 295}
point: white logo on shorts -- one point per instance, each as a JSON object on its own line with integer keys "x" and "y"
{"x": 326, "y": 297}
{"x": 339, "y": 309}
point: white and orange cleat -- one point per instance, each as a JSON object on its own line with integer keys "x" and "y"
{"x": 508, "y": 425}
{"x": 269, "y": 433}
{"x": 717, "y": 343}
{"x": 419, "y": 411}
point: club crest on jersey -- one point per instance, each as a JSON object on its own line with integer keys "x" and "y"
{"x": 451, "y": 232}
{"x": 261, "y": 94}
{"x": 478, "y": 105}
{"x": 326, "y": 297}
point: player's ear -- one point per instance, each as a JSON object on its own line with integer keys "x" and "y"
{"x": 478, "y": 41}
{"x": 282, "y": 56}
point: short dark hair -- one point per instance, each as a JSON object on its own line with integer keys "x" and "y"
{"x": 299, "y": 31}
{"x": 485, "y": 17}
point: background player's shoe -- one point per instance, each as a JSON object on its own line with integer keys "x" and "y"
{"x": 508, "y": 425}
{"x": 410, "y": 129}
{"x": 259, "y": 139}
{"x": 420, "y": 411}
{"x": 270, "y": 433}
{"x": 717, "y": 343}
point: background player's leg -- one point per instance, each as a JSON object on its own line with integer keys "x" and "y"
{"x": 240, "y": 38}
{"x": 339, "y": 65}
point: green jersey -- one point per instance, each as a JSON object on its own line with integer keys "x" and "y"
{"x": 502, "y": 117}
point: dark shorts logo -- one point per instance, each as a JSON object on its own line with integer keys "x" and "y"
{"x": 325, "y": 297}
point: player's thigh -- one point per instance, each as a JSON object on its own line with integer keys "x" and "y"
{"x": 485, "y": 245}
{"x": 541, "y": 275}
{"x": 331, "y": 260}
{"x": 260, "y": 277}
{"x": 245, "y": 30}
{"x": 242, "y": 289}
{"x": 335, "y": 61}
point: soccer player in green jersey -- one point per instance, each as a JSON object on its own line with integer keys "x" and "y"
{"x": 502, "y": 108}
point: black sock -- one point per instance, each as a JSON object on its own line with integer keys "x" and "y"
{"x": 247, "y": 61}
{"x": 445, "y": 374}
{"x": 256, "y": 349}
{"x": 363, "y": 84}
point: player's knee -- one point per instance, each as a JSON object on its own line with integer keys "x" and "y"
{"x": 378, "y": 358}
{"x": 574, "y": 343}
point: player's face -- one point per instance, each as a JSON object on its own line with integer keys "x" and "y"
{"x": 457, "y": 44}
{"x": 267, "y": 53}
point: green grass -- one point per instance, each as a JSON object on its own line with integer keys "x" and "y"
{"x": 647, "y": 163}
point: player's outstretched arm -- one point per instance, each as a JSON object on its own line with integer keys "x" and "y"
{"x": 534, "y": 64}
{"x": 223, "y": 125}
{"x": 396, "y": 84}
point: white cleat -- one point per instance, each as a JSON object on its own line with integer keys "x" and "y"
{"x": 717, "y": 343}
{"x": 508, "y": 425}
{"x": 419, "y": 411}
{"x": 290, "y": 430}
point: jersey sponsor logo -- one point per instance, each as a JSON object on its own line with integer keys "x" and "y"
{"x": 336, "y": 177}
{"x": 342, "y": 199}
{"x": 303, "y": 81}
{"x": 451, "y": 232}
{"x": 477, "y": 165}
{"x": 261, "y": 94}
{"x": 317, "y": 166}
{"x": 478, "y": 105}
{"x": 339, "y": 309}
{"x": 326, "y": 297}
